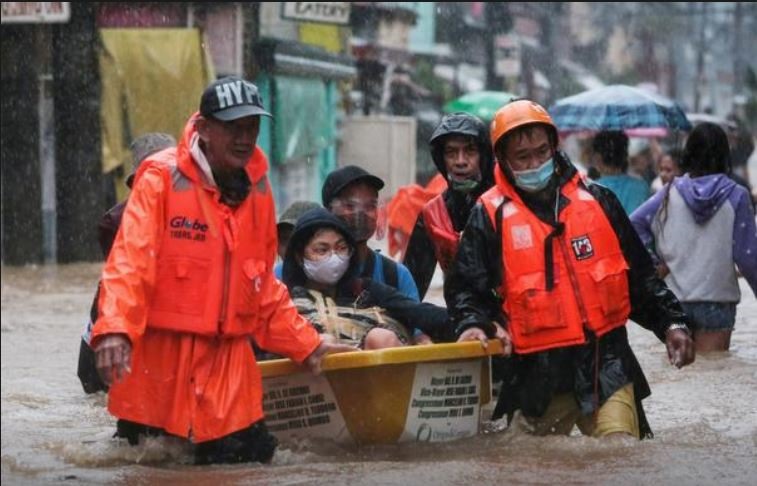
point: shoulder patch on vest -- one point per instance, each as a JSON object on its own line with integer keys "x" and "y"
{"x": 509, "y": 209}
{"x": 582, "y": 247}
{"x": 522, "y": 237}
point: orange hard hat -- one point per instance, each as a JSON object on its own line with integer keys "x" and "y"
{"x": 516, "y": 114}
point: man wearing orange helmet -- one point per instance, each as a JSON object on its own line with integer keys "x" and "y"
{"x": 555, "y": 260}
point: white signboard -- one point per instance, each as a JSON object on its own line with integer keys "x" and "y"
{"x": 35, "y": 12}
{"x": 301, "y": 406}
{"x": 445, "y": 402}
{"x": 507, "y": 55}
{"x": 326, "y": 12}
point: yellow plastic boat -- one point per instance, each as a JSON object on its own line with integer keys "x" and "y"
{"x": 428, "y": 393}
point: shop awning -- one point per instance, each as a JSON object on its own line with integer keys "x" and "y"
{"x": 294, "y": 58}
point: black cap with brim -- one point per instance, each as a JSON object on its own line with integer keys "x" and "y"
{"x": 237, "y": 112}
{"x": 231, "y": 98}
{"x": 345, "y": 176}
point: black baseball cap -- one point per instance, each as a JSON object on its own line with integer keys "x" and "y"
{"x": 343, "y": 177}
{"x": 231, "y": 98}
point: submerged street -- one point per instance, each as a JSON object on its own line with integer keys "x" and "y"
{"x": 703, "y": 416}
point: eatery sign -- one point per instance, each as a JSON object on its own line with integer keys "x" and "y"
{"x": 324, "y": 12}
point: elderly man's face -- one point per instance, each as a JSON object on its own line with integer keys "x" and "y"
{"x": 229, "y": 145}
{"x": 461, "y": 157}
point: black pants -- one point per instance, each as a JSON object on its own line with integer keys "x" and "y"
{"x": 253, "y": 444}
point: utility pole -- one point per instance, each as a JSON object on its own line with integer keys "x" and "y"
{"x": 700, "y": 57}
{"x": 738, "y": 72}
{"x": 497, "y": 21}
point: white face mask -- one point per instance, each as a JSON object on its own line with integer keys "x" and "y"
{"x": 327, "y": 271}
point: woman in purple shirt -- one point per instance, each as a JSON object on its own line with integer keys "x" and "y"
{"x": 699, "y": 228}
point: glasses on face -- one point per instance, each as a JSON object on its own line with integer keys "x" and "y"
{"x": 320, "y": 252}
{"x": 354, "y": 205}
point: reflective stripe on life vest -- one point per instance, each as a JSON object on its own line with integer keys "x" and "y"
{"x": 441, "y": 231}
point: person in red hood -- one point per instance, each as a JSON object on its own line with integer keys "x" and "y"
{"x": 189, "y": 283}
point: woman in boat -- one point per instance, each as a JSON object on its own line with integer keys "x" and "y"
{"x": 321, "y": 273}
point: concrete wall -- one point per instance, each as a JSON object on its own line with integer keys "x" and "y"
{"x": 382, "y": 145}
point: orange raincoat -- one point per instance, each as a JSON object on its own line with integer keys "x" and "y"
{"x": 185, "y": 379}
{"x": 404, "y": 208}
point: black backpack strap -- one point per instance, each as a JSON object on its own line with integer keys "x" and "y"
{"x": 368, "y": 267}
{"x": 390, "y": 271}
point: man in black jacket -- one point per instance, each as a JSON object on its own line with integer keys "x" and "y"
{"x": 462, "y": 153}
{"x": 555, "y": 260}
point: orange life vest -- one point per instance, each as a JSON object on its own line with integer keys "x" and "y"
{"x": 441, "y": 231}
{"x": 210, "y": 266}
{"x": 590, "y": 272}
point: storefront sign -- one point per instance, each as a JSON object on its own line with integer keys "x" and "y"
{"x": 35, "y": 12}
{"x": 326, "y": 12}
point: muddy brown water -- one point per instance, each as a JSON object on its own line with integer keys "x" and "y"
{"x": 704, "y": 418}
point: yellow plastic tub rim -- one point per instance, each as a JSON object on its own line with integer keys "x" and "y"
{"x": 410, "y": 394}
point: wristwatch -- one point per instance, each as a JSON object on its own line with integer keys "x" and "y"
{"x": 678, "y": 325}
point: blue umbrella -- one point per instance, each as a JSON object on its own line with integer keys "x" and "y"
{"x": 617, "y": 107}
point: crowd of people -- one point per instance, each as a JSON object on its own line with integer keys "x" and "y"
{"x": 534, "y": 253}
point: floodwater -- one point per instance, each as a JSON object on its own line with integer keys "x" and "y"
{"x": 704, "y": 418}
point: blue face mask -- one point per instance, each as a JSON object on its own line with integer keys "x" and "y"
{"x": 534, "y": 180}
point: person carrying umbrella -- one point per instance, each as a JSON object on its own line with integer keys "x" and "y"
{"x": 461, "y": 152}
{"x": 610, "y": 157}
{"x": 554, "y": 260}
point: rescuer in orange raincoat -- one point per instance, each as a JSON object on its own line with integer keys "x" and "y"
{"x": 189, "y": 283}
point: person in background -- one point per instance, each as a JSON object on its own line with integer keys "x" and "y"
{"x": 141, "y": 148}
{"x": 462, "y": 154}
{"x": 668, "y": 167}
{"x": 189, "y": 283}
{"x": 351, "y": 193}
{"x": 642, "y": 154}
{"x": 285, "y": 226}
{"x": 610, "y": 157}
{"x": 687, "y": 227}
{"x": 554, "y": 260}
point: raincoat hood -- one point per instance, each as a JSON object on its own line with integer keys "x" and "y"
{"x": 464, "y": 124}
{"x": 292, "y": 273}
{"x": 704, "y": 195}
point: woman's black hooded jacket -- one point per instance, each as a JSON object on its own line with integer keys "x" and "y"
{"x": 352, "y": 290}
